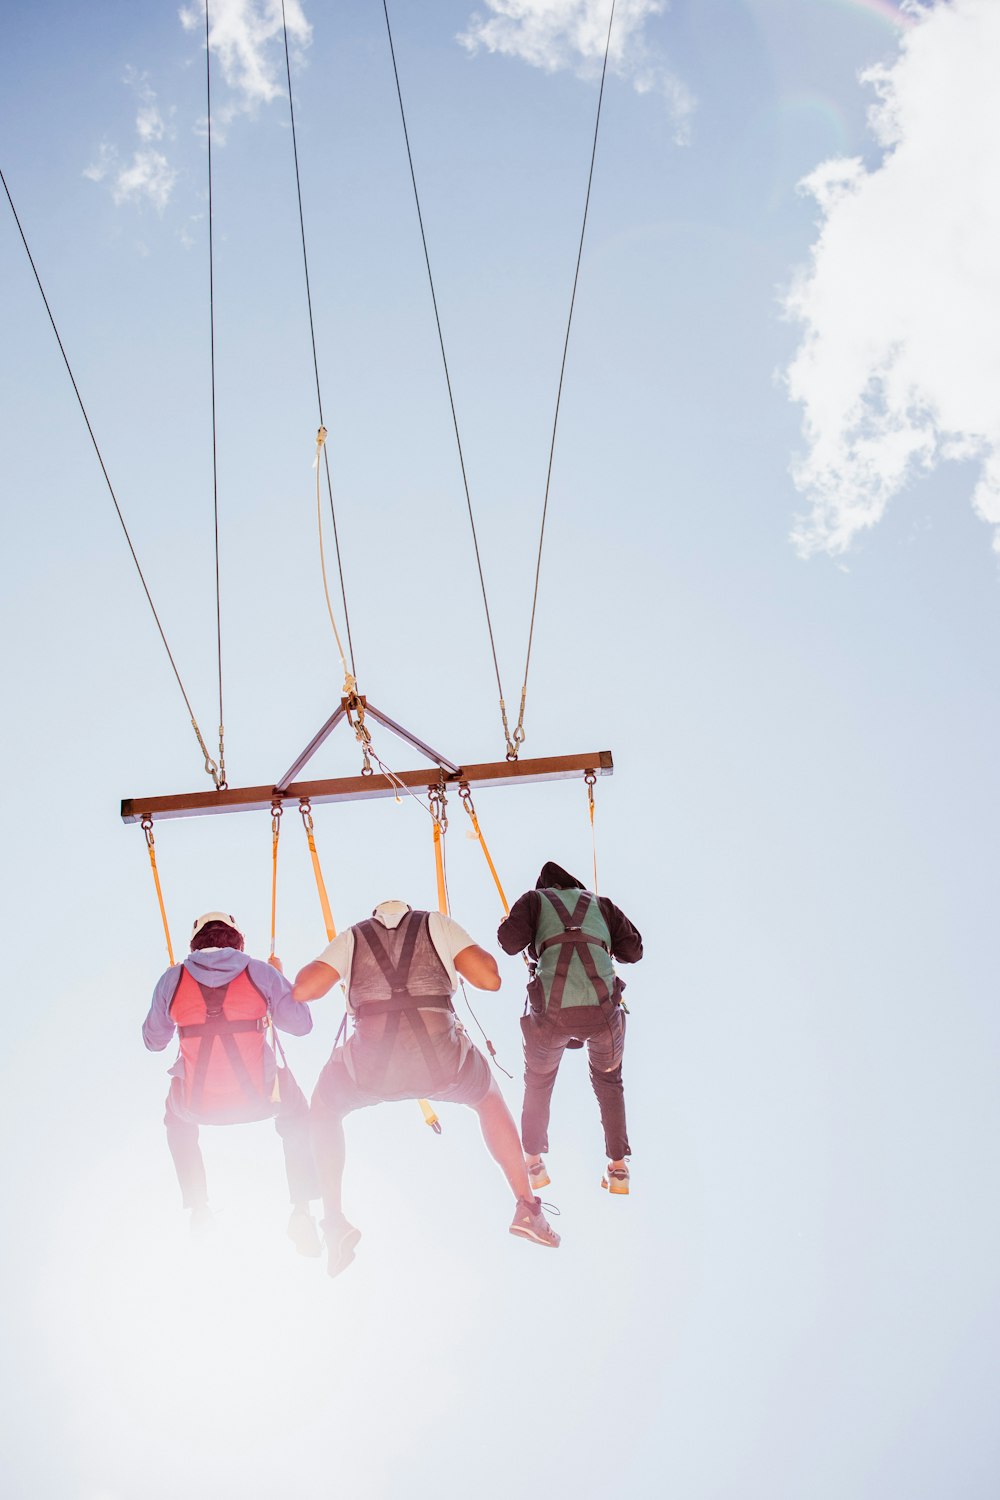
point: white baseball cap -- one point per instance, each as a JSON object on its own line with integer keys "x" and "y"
{"x": 214, "y": 916}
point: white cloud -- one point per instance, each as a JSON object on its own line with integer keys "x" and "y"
{"x": 147, "y": 176}
{"x": 557, "y": 34}
{"x": 899, "y": 365}
{"x": 246, "y": 35}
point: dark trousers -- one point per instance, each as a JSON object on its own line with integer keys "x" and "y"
{"x": 546, "y": 1037}
{"x": 292, "y": 1124}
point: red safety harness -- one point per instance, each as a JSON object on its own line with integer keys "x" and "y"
{"x": 222, "y": 1036}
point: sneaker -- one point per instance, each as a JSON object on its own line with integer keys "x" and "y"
{"x": 203, "y": 1225}
{"x": 341, "y": 1240}
{"x": 538, "y": 1175}
{"x": 531, "y": 1224}
{"x": 303, "y": 1233}
{"x": 616, "y": 1180}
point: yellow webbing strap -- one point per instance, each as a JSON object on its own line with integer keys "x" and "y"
{"x": 439, "y": 867}
{"x": 147, "y": 828}
{"x": 275, "y": 835}
{"x": 324, "y": 900}
{"x": 590, "y": 779}
{"x": 489, "y": 858}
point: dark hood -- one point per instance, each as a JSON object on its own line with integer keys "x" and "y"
{"x": 554, "y": 877}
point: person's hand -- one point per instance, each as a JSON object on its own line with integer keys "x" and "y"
{"x": 275, "y": 963}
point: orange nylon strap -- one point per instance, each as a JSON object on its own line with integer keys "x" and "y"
{"x": 439, "y": 867}
{"x": 470, "y": 809}
{"x": 147, "y": 828}
{"x": 324, "y": 900}
{"x": 275, "y": 835}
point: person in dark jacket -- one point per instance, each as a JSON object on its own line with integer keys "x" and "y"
{"x": 219, "y": 1001}
{"x": 571, "y": 937}
{"x": 400, "y": 969}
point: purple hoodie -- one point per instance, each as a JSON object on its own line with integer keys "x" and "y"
{"x": 216, "y": 966}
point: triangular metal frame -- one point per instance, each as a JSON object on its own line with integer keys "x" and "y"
{"x": 445, "y": 774}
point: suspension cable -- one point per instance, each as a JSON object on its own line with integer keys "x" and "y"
{"x": 511, "y": 744}
{"x": 215, "y": 456}
{"x": 312, "y": 335}
{"x": 210, "y": 766}
{"x": 350, "y": 682}
{"x": 519, "y": 728}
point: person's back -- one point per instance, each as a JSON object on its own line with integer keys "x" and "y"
{"x": 400, "y": 969}
{"x": 572, "y": 937}
{"x": 573, "y": 942}
{"x": 219, "y": 1001}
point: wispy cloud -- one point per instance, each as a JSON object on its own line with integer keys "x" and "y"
{"x": 146, "y": 177}
{"x": 899, "y": 365}
{"x": 246, "y": 36}
{"x": 557, "y": 34}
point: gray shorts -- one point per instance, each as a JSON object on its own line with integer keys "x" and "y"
{"x": 356, "y": 1077}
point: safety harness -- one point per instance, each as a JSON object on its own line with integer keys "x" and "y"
{"x": 574, "y": 939}
{"x": 221, "y": 1030}
{"x": 400, "y": 1001}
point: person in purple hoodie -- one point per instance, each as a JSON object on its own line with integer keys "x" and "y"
{"x": 220, "y": 1002}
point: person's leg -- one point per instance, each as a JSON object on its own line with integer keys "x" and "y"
{"x": 605, "y": 1049}
{"x": 326, "y": 1118}
{"x": 504, "y": 1145}
{"x": 182, "y": 1140}
{"x": 543, "y": 1049}
{"x": 292, "y": 1124}
{"x": 502, "y": 1140}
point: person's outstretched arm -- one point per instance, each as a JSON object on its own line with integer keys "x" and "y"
{"x": 314, "y": 980}
{"x": 286, "y": 1015}
{"x": 478, "y": 967}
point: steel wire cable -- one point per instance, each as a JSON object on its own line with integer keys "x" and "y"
{"x": 447, "y": 376}
{"x": 514, "y": 739}
{"x": 215, "y": 445}
{"x": 519, "y": 730}
{"x": 210, "y": 765}
{"x": 312, "y": 336}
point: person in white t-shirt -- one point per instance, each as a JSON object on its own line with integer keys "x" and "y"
{"x": 400, "y": 969}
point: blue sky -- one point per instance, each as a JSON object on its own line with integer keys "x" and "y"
{"x": 799, "y": 1299}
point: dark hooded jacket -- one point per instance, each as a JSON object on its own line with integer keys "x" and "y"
{"x": 517, "y": 932}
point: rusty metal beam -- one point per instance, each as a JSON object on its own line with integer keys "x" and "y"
{"x": 361, "y": 788}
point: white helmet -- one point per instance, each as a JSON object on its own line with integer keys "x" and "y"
{"x": 214, "y": 916}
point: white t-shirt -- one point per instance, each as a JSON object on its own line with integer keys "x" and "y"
{"x": 445, "y": 933}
